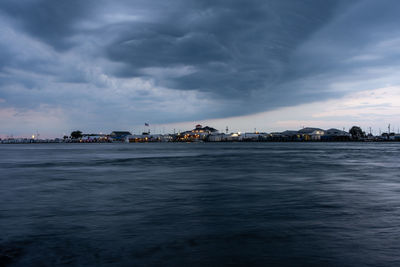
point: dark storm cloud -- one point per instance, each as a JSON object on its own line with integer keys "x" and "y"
{"x": 234, "y": 48}
{"x": 5, "y": 58}
{"x": 366, "y": 26}
{"x": 48, "y": 20}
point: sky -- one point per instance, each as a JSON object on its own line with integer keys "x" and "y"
{"x": 268, "y": 65}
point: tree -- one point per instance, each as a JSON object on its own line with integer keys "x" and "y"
{"x": 356, "y": 132}
{"x": 76, "y": 134}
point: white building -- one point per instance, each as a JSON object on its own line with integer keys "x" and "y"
{"x": 311, "y": 133}
{"x": 216, "y": 137}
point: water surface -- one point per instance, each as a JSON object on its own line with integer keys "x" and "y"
{"x": 204, "y": 204}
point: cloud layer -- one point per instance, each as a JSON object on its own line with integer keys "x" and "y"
{"x": 106, "y": 65}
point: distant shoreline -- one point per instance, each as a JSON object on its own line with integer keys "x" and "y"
{"x": 225, "y": 142}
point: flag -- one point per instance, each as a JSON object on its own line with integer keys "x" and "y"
{"x": 146, "y": 124}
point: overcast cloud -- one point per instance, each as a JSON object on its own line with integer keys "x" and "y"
{"x": 107, "y": 65}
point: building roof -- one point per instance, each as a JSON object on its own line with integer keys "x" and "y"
{"x": 334, "y": 131}
{"x": 210, "y": 129}
{"x": 309, "y": 130}
{"x": 290, "y": 133}
{"x": 205, "y": 129}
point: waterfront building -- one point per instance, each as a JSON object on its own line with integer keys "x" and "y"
{"x": 119, "y": 135}
{"x": 253, "y": 136}
{"x": 290, "y": 135}
{"x": 275, "y": 137}
{"x": 336, "y": 135}
{"x": 199, "y": 133}
{"x": 216, "y": 137}
{"x": 94, "y": 138}
{"x": 336, "y": 132}
{"x": 145, "y": 137}
{"x": 233, "y": 137}
{"x": 311, "y": 134}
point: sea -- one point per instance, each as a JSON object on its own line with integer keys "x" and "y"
{"x": 200, "y": 204}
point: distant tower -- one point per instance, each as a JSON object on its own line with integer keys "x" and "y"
{"x": 227, "y": 130}
{"x": 389, "y": 128}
